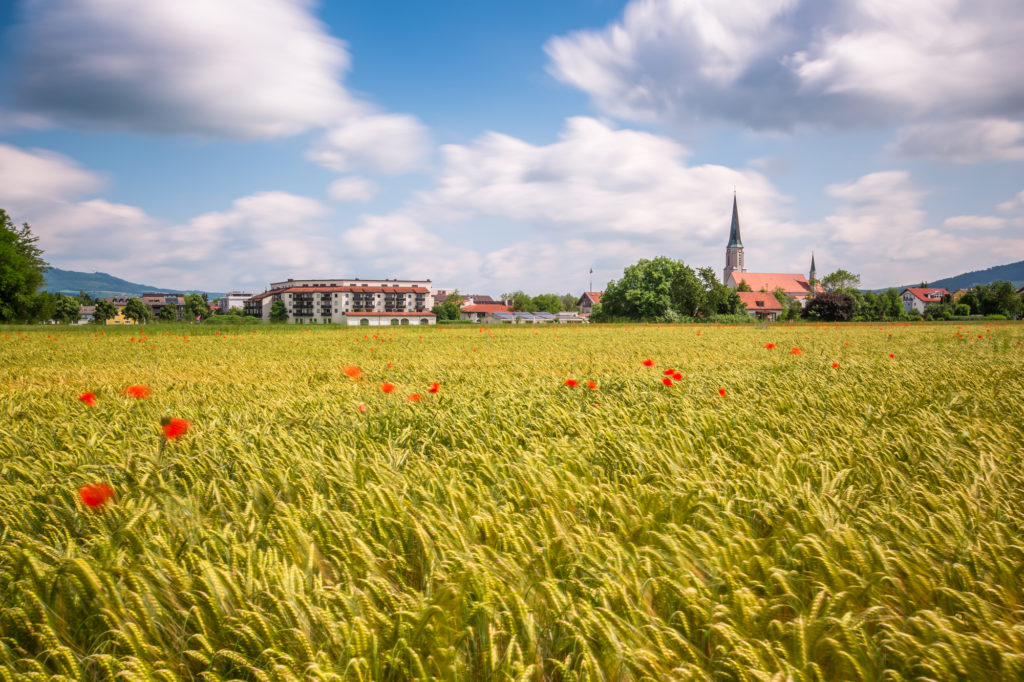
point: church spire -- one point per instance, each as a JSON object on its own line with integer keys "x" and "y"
{"x": 813, "y": 271}
{"x": 734, "y": 230}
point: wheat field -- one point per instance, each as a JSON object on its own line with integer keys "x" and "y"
{"x": 852, "y": 511}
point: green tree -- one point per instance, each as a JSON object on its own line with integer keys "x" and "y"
{"x": 104, "y": 311}
{"x": 551, "y": 303}
{"x": 168, "y": 313}
{"x": 743, "y": 286}
{"x": 521, "y": 301}
{"x": 22, "y": 271}
{"x": 278, "y": 313}
{"x": 717, "y": 298}
{"x": 830, "y": 306}
{"x": 85, "y": 299}
{"x": 569, "y": 302}
{"x": 137, "y": 310}
{"x": 68, "y": 309}
{"x": 450, "y": 309}
{"x": 196, "y": 307}
{"x": 652, "y": 289}
{"x": 842, "y": 281}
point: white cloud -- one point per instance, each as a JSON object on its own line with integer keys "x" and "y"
{"x": 238, "y": 69}
{"x": 967, "y": 141}
{"x": 970, "y": 223}
{"x": 27, "y": 177}
{"x": 352, "y": 188}
{"x": 1014, "y": 204}
{"x": 782, "y": 63}
{"x": 388, "y": 143}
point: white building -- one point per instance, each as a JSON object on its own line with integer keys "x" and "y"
{"x": 235, "y": 299}
{"x": 919, "y": 298}
{"x": 374, "y": 303}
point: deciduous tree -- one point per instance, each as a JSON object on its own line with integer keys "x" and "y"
{"x": 137, "y": 310}
{"x": 22, "y": 270}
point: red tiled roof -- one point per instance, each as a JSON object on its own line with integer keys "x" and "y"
{"x": 758, "y": 300}
{"x": 791, "y": 283}
{"x": 926, "y": 294}
{"x": 384, "y": 314}
{"x": 485, "y": 308}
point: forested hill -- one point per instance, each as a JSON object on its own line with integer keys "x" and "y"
{"x": 1013, "y": 272}
{"x": 100, "y": 285}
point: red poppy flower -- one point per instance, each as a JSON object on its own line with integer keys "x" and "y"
{"x": 666, "y": 381}
{"x": 836, "y": 365}
{"x": 591, "y": 385}
{"x": 677, "y": 376}
{"x": 88, "y": 398}
{"x": 796, "y": 351}
{"x": 669, "y": 372}
{"x": 95, "y": 494}
{"x": 571, "y": 382}
{"x": 414, "y": 398}
{"x": 389, "y": 365}
{"x": 361, "y": 407}
{"x": 434, "y": 388}
{"x": 891, "y": 355}
{"x": 721, "y": 392}
{"x": 137, "y": 391}
{"x": 352, "y": 372}
{"x": 648, "y": 363}
{"x": 174, "y": 427}
{"x": 387, "y": 388}
{"x": 769, "y": 345}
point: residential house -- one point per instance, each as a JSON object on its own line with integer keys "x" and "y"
{"x": 86, "y": 314}
{"x": 156, "y": 302}
{"x": 119, "y": 303}
{"x": 483, "y": 312}
{"x": 234, "y": 299}
{"x": 919, "y": 298}
{"x": 588, "y": 300}
{"x": 763, "y": 306}
{"x": 348, "y": 301}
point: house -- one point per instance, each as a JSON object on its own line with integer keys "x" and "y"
{"x": 85, "y": 314}
{"x": 959, "y": 293}
{"x": 234, "y": 299}
{"x": 119, "y": 303}
{"x": 156, "y": 302}
{"x": 483, "y": 312}
{"x": 571, "y": 317}
{"x": 919, "y": 298}
{"x": 441, "y": 295}
{"x": 763, "y": 306}
{"x": 795, "y": 285}
{"x": 588, "y": 300}
{"x": 374, "y": 303}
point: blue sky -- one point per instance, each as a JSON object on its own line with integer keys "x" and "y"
{"x": 500, "y": 146}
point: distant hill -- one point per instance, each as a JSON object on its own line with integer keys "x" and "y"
{"x": 102, "y": 285}
{"x": 1014, "y": 272}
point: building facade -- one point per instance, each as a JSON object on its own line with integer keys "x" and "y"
{"x": 234, "y": 299}
{"x": 348, "y": 301}
{"x": 919, "y": 298}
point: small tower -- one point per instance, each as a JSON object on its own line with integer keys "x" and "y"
{"x": 814, "y": 273}
{"x": 734, "y": 251}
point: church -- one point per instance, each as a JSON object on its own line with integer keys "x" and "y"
{"x": 794, "y": 285}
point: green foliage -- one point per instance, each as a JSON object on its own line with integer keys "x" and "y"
{"x": 743, "y": 286}
{"x": 104, "y": 311}
{"x": 551, "y": 303}
{"x": 841, "y": 281}
{"x": 569, "y": 303}
{"x": 84, "y": 298}
{"x": 996, "y": 298}
{"x": 137, "y": 310}
{"x": 168, "y": 313}
{"x": 67, "y": 309}
{"x": 451, "y": 308}
{"x": 196, "y": 307}
{"x": 521, "y": 301}
{"x": 278, "y": 313}
{"x": 962, "y": 310}
{"x": 650, "y": 289}
{"x": 22, "y": 270}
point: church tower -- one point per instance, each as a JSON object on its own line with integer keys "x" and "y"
{"x": 813, "y": 271}
{"x": 734, "y": 251}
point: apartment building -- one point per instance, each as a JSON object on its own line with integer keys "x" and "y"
{"x": 375, "y": 302}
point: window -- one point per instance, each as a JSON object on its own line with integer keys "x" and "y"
{"x": 394, "y": 322}
{"x": 424, "y": 321}
{"x": 405, "y": 320}
{"x": 364, "y": 322}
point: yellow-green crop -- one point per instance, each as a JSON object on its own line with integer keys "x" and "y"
{"x": 864, "y": 521}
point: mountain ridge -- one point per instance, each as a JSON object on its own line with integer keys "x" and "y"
{"x": 103, "y": 285}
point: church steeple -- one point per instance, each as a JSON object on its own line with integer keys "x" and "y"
{"x": 813, "y": 271}
{"x": 734, "y": 249}
{"x": 734, "y": 229}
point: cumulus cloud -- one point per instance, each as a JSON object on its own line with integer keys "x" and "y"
{"x": 352, "y": 188}
{"x": 970, "y": 223}
{"x": 781, "y": 63}
{"x": 237, "y": 69}
{"x": 968, "y": 141}
{"x": 37, "y": 175}
{"x": 388, "y": 143}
